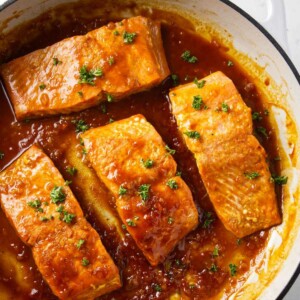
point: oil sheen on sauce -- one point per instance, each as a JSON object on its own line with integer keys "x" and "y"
{"x": 195, "y": 269}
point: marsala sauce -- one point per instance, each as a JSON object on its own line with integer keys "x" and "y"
{"x": 187, "y": 270}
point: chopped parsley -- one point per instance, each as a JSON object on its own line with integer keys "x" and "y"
{"x": 111, "y": 120}
{"x": 213, "y": 268}
{"x": 81, "y": 126}
{"x": 262, "y": 131}
{"x": 251, "y": 175}
{"x": 71, "y": 170}
{"x": 42, "y": 86}
{"x": 103, "y": 108}
{"x": 197, "y": 102}
{"x": 68, "y": 217}
{"x": 80, "y": 243}
{"x": 178, "y": 173}
{"x": 157, "y": 287}
{"x": 68, "y": 182}
{"x": 175, "y": 79}
{"x": 256, "y": 116}
{"x": 88, "y": 77}
{"x": 208, "y": 219}
{"x": 230, "y": 63}
{"x": 225, "y": 107}
{"x": 116, "y": 33}
{"x": 1, "y": 155}
{"x": 266, "y": 112}
{"x": 44, "y": 219}
{"x": 129, "y": 37}
{"x": 280, "y": 180}
{"x": 36, "y": 204}
{"x": 80, "y": 93}
{"x": 192, "y": 134}
{"x": 111, "y": 60}
{"x": 199, "y": 84}
{"x": 57, "y": 195}
{"x": 109, "y": 97}
{"x": 186, "y": 56}
{"x": 215, "y": 252}
{"x": 124, "y": 226}
{"x": 171, "y": 151}
{"x": 172, "y": 184}
{"x": 170, "y": 220}
{"x": 144, "y": 192}
{"x": 56, "y": 61}
{"x": 238, "y": 241}
{"x": 130, "y": 223}
{"x": 122, "y": 190}
{"x": 85, "y": 262}
{"x": 149, "y": 163}
{"x": 233, "y": 269}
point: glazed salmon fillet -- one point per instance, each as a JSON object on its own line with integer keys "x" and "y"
{"x": 216, "y": 125}
{"x": 67, "y": 250}
{"x": 155, "y": 205}
{"x": 108, "y": 63}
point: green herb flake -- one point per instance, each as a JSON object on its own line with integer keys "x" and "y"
{"x": 170, "y": 220}
{"x": 116, "y": 32}
{"x": 129, "y": 37}
{"x": 233, "y": 269}
{"x": 197, "y": 102}
{"x": 57, "y": 195}
{"x": 109, "y": 98}
{"x": 251, "y": 175}
{"x": 60, "y": 209}
{"x": 225, "y": 107}
{"x": 199, "y": 84}
{"x": 192, "y": 286}
{"x": 266, "y": 112}
{"x": 88, "y": 77}
{"x": 42, "y": 86}
{"x": 262, "y": 131}
{"x": 170, "y": 151}
{"x": 68, "y": 182}
{"x": 239, "y": 242}
{"x": 280, "y": 180}
{"x": 122, "y": 190}
{"x": 56, "y": 61}
{"x": 175, "y": 79}
{"x": 186, "y": 56}
{"x": 81, "y": 126}
{"x": 172, "y": 184}
{"x": 2, "y": 155}
{"x": 34, "y": 204}
{"x": 192, "y": 134}
{"x": 230, "y": 63}
{"x": 111, "y": 120}
{"x": 144, "y": 192}
{"x": 111, "y": 60}
{"x": 103, "y": 108}
{"x": 215, "y": 252}
{"x": 44, "y": 219}
{"x": 178, "y": 173}
{"x": 80, "y": 243}
{"x": 68, "y": 217}
{"x": 130, "y": 223}
{"x": 208, "y": 219}
{"x": 80, "y": 94}
{"x": 84, "y": 151}
{"x": 256, "y": 116}
{"x": 124, "y": 226}
{"x": 213, "y": 268}
{"x": 85, "y": 262}
{"x": 149, "y": 163}
{"x": 71, "y": 170}
{"x": 157, "y": 287}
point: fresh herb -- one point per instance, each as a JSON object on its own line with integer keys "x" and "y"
{"x": 144, "y": 191}
{"x": 208, "y": 219}
{"x": 57, "y": 195}
{"x": 84, "y": 151}
{"x": 71, "y": 170}
{"x": 262, "y": 131}
{"x": 230, "y": 63}
{"x": 233, "y": 269}
{"x": 192, "y": 286}
{"x": 111, "y": 60}
{"x": 175, "y": 79}
{"x": 171, "y": 151}
{"x": 129, "y": 37}
{"x": 68, "y": 182}
{"x": 197, "y": 102}
{"x": 124, "y": 226}
{"x": 44, "y": 219}
{"x": 130, "y": 223}
{"x": 85, "y": 262}
{"x": 225, "y": 107}
{"x": 157, "y": 287}
{"x": 170, "y": 220}
{"x": 199, "y": 84}
{"x": 186, "y": 56}
{"x": 178, "y": 173}
{"x": 60, "y": 209}
{"x": 88, "y": 77}
{"x": 35, "y": 203}
{"x": 213, "y": 268}
{"x": 192, "y": 134}
{"x": 266, "y": 112}
{"x": 56, "y": 61}
{"x": 116, "y": 33}
{"x": 68, "y": 217}
{"x": 42, "y": 86}
{"x": 122, "y": 190}
{"x": 80, "y": 93}
{"x": 256, "y": 116}
{"x": 109, "y": 97}
{"x": 111, "y": 120}
{"x": 80, "y": 243}
{"x": 251, "y": 175}
{"x": 81, "y": 126}
{"x": 280, "y": 180}
{"x": 215, "y": 252}
{"x": 172, "y": 184}
{"x": 103, "y": 108}
{"x": 238, "y": 241}
{"x": 147, "y": 163}
{"x": 1, "y": 155}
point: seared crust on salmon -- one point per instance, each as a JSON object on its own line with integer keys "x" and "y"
{"x": 44, "y": 212}
{"x": 217, "y": 127}
{"x": 155, "y": 205}
{"x": 79, "y": 72}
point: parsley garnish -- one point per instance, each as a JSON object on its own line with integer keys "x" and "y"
{"x": 129, "y": 37}
{"x": 175, "y": 79}
{"x": 80, "y": 243}
{"x": 111, "y": 120}
{"x": 68, "y": 217}
{"x": 225, "y": 107}
{"x": 262, "y": 130}
{"x": 144, "y": 192}
{"x": 116, "y": 32}
{"x": 57, "y": 195}
{"x": 103, "y": 108}
{"x": 238, "y": 241}
{"x": 88, "y": 77}
{"x": 230, "y": 63}
{"x": 124, "y": 226}
{"x": 208, "y": 219}
{"x": 81, "y": 126}
{"x": 56, "y": 61}
{"x": 42, "y": 86}
{"x": 1, "y": 155}
{"x": 68, "y": 182}
{"x": 44, "y": 219}
{"x": 109, "y": 97}
{"x": 111, "y": 60}
{"x": 178, "y": 173}
{"x": 251, "y": 175}
{"x": 213, "y": 268}
{"x": 171, "y": 151}
{"x": 130, "y": 223}
{"x": 256, "y": 116}
{"x": 122, "y": 190}
{"x": 216, "y": 251}
{"x": 157, "y": 287}
{"x": 36, "y": 204}
{"x": 199, "y": 84}
{"x": 192, "y": 134}
{"x": 197, "y": 102}
{"x": 71, "y": 170}
{"x": 172, "y": 184}
{"x": 280, "y": 180}
{"x": 186, "y": 56}
{"x": 266, "y": 112}
{"x": 85, "y": 262}
{"x": 170, "y": 220}
{"x": 233, "y": 269}
{"x": 147, "y": 163}
{"x": 80, "y": 93}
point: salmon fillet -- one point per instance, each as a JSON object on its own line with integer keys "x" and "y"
{"x": 216, "y": 125}
{"x": 67, "y": 250}
{"x": 155, "y": 205}
{"x": 108, "y": 63}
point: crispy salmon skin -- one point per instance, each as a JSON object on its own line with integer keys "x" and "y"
{"x": 44, "y": 212}
{"x": 155, "y": 205}
{"x": 216, "y": 125}
{"x": 108, "y": 63}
